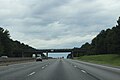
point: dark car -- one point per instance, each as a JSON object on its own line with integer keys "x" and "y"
{"x": 38, "y": 59}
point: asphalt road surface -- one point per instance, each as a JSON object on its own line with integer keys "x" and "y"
{"x": 58, "y": 69}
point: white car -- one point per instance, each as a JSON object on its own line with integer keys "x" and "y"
{"x": 4, "y": 57}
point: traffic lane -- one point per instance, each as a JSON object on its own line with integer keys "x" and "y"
{"x": 21, "y": 65}
{"x": 99, "y": 71}
{"x": 17, "y": 65}
{"x": 20, "y": 73}
{"x": 107, "y": 68}
{"x": 61, "y": 70}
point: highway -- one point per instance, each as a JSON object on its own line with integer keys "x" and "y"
{"x": 58, "y": 69}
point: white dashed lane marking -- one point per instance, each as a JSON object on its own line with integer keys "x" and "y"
{"x": 43, "y": 67}
{"x": 75, "y": 66}
{"x": 83, "y": 71}
{"x": 31, "y": 74}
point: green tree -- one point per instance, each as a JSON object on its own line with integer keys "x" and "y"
{"x": 9, "y": 47}
{"x": 106, "y": 42}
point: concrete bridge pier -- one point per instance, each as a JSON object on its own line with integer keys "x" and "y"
{"x": 72, "y": 56}
{"x": 47, "y": 54}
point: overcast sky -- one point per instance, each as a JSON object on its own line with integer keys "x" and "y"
{"x": 57, "y": 23}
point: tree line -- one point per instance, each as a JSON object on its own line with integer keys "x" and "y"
{"x": 106, "y": 42}
{"x": 9, "y": 47}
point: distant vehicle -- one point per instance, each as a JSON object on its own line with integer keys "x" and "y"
{"x": 38, "y": 59}
{"x": 4, "y": 57}
{"x": 33, "y": 56}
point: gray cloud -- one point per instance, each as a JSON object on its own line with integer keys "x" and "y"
{"x": 57, "y": 24}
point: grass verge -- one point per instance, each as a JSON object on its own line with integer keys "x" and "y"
{"x": 14, "y": 62}
{"x": 108, "y": 59}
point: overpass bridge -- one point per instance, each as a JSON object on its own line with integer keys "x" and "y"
{"x": 53, "y": 51}
{"x": 29, "y": 53}
{"x": 47, "y": 51}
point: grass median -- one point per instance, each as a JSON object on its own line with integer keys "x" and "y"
{"x": 108, "y": 59}
{"x": 9, "y": 61}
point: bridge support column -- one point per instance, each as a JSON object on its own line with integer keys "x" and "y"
{"x": 47, "y": 54}
{"x": 72, "y": 55}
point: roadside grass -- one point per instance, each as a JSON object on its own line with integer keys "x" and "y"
{"x": 14, "y": 62}
{"x": 108, "y": 59}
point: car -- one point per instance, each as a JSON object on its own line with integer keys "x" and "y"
{"x": 39, "y": 59}
{"x": 4, "y": 57}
